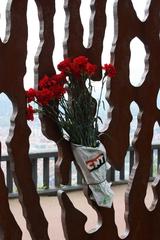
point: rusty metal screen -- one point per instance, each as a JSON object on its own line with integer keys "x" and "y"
{"x": 141, "y": 223}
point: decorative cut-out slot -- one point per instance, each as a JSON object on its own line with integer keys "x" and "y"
{"x": 158, "y": 100}
{"x": 59, "y": 24}
{"x": 4, "y": 25}
{"x": 138, "y": 68}
{"x": 155, "y": 160}
{"x": 141, "y": 8}
{"x": 134, "y": 124}
{"x": 85, "y": 19}
{"x": 32, "y": 43}
{"x": 6, "y": 110}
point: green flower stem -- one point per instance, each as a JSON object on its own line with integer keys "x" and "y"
{"x": 100, "y": 97}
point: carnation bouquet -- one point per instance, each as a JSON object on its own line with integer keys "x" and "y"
{"x": 66, "y": 98}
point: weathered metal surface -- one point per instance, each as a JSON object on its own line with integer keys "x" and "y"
{"x": 9, "y": 226}
{"x": 141, "y": 223}
{"x": 12, "y": 70}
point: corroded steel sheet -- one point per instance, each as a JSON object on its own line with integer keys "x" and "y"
{"x": 141, "y": 223}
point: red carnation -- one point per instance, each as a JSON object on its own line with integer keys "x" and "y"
{"x": 75, "y": 70}
{"x": 64, "y": 66}
{"x": 44, "y": 96}
{"x": 30, "y": 113}
{"x": 110, "y": 70}
{"x": 45, "y": 82}
{"x": 31, "y": 93}
{"x": 81, "y": 61}
{"x": 91, "y": 69}
{"x": 58, "y": 92}
{"x": 59, "y": 78}
{"x": 50, "y": 82}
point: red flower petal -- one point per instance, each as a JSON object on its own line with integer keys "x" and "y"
{"x": 110, "y": 70}
{"x": 30, "y": 112}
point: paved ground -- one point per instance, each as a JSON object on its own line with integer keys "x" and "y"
{"x": 52, "y": 212}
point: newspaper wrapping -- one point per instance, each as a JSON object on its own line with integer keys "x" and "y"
{"x": 93, "y": 165}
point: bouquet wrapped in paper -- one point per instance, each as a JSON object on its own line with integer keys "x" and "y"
{"x": 66, "y": 98}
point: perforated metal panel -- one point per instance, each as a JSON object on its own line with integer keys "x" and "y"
{"x": 141, "y": 223}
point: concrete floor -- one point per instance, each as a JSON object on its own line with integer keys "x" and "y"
{"x": 52, "y": 211}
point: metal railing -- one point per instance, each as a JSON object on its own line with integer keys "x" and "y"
{"x": 47, "y": 182}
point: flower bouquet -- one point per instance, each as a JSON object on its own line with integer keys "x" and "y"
{"x": 66, "y": 98}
